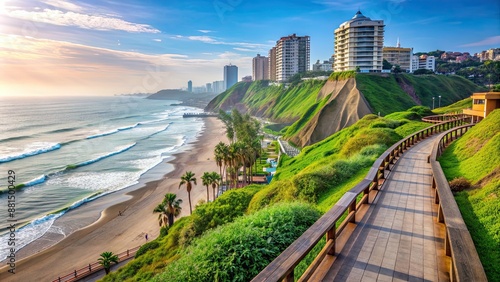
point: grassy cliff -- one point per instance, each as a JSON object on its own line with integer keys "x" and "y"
{"x": 304, "y": 107}
{"x": 476, "y": 156}
{"x": 220, "y": 237}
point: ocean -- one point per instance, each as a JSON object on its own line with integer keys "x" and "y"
{"x": 67, "y": 151}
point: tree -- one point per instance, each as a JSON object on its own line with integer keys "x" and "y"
{"x": 206, "y": 179}
{"x": 188, "y": 178}
{"x": 168, "y": 209}
{"x": 106, "y": 259}
{"x": 215, "y": 178}
{"x": 386, "y": 65}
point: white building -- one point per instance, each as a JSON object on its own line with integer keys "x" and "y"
{"x": 218, "y": 86}
{"x": 326, "y": 65}
{"x": 358, "y": 44}
{"x": 423, "y": 62}
{"x": 292, "y": 56}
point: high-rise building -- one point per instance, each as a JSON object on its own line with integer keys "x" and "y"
{"x": 358, "y": 44}
{"x": 292, "y": 56}
{"x": 272, "y": 64}
{"x": 230, "y": 75}
{"x": 423, "y": 62}
{"x": 218, "y": 86}
{"x": 209, "y": 87}
{"x": 190, "y": 86}
{"x": 399, "y": 56}
{"x": 260, "y": 67}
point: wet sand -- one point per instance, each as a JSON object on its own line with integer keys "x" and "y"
{"x": 115, "y": 233}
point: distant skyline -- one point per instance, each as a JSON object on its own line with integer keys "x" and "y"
{"x": 60, "y": 47}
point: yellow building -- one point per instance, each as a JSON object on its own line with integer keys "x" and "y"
{"x": 399, "y": 56}
{"x": 483, "y": 104}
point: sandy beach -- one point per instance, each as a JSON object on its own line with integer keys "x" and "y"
{"x": 115, "y": 233}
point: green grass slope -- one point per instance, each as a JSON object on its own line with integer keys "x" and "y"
{"x": 476, "y": 156}
{"x": 385, "y": 94}
{"x": 319, "y": 176}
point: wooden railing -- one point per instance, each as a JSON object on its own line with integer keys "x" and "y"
{"x": 465, "y": 264}
{"x": 441, "y": 118}
{"x": 94, "y": 267}
{"x": 282, "y": 268}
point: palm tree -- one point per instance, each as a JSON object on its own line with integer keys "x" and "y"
{"x": 187, "y": 178}
{"x": 206, "y": 179}
{"x": 168, "y": 209}
{"x": 215, "y": 178}
{"x": 106, "y": 259}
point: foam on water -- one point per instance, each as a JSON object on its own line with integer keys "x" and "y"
{"x": 32, "y": 150}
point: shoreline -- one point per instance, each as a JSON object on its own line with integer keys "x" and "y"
{"x": 111, "y": 232}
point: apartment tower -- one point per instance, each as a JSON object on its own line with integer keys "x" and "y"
{"x": 230, "y": 76}
{"x": 292, "y": 56}
{"x": 358, "y": 44}
{"x": 260, "y": 67}
{"x": 272, "y": 64}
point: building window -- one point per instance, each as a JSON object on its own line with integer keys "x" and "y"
{"x": 478, "y": 102}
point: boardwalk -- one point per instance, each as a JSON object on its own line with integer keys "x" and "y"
{"x": 399, "y": 239}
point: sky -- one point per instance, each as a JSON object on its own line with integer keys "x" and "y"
{"x": 107, "y": 47}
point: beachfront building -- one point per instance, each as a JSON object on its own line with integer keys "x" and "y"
{"x": 399, "y": 56}
{"x": 482, "y": 105}
{"x": 230, "y": 76}
{"x": 326, "y": 65}
{"x": 358, "y": 45}
{"x": 292, "y": 56}
{"x": 209, "y": 87}
{"x": 272, "y": 64}
{"x": 190, "y": 86}
{"x": 260, "y": 67}
{"x": 423, "y": 62}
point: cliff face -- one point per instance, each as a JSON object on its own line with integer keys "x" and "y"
{"x": 345, "y": 107}
{"x": 315, "y": 109}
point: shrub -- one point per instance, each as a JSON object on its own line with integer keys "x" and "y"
{"x": 240, "y": 250}
{"x": 148, "y": 246}
{"x": 459, "y": 184}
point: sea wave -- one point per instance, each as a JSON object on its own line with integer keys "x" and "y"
{"x": 38, "y": 227}
{"x": 128, "y": 147}
{"x": 30, "y": 153}
{"x": 113, "y": 131}
{"x": 36, "y": 181}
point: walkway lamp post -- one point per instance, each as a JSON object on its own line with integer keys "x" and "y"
{"x": 433, "y": 103}
{"x": 439, "y": 101}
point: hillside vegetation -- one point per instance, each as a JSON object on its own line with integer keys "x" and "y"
{"x": 235, "y": 236}
{"x": 476, "y": 156}
{"x": 312, "y": 110}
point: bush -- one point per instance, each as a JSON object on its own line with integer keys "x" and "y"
{"x": 224, "y": 209}
{"x": 459, "y": 184}
{"x": 240, "y": 250}
{"x": 146, "y": 247}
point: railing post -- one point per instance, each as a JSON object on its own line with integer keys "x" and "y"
{"x": 330, "y": 235}
{"x": 75, "y": 273}
{"x": 90, "y": 268}
{"x": 127, "y": 253}
{"x": 352, "y": 208}
{"x": 289, "y": 277}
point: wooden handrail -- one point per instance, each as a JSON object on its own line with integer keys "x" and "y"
{"x": 465, "y": 263}
{"x": 441, "y": 118}
{"x": 282, "y": 268}
{"x": 78, "y": 274}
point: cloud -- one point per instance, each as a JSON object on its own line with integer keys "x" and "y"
{"x": 65, "y": 5}
{"x": 494, "y": 40}
{"x": 205, "y": 30}
{"x": 157, "y": 40}
{"x": 240, "y": 46}
{"x": 206, "y": 39}
{"x": 32, "y": 66}
{"x": 85, "y": 21}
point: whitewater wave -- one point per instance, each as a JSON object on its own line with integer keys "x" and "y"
{"x": 113, "y": 131}
{"x": 23, "y": 155}
{"x": 128, "y": 147}
{"x": 36, "y": 181}
{"x": 38, "y": 227}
